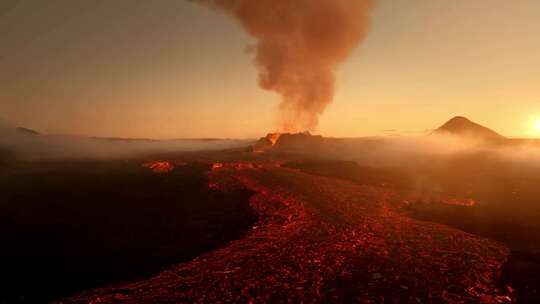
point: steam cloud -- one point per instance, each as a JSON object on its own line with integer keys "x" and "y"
{"x": 299, "y": 44}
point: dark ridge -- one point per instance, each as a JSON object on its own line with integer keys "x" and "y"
{"x": 27, "y": 131}
{"x": 121, "y": 139}
{"x": 263, "y": 143}
{"x": 298, "y": 141}
{"x": 290, "y": 142}
{"x": 152, "y": 140}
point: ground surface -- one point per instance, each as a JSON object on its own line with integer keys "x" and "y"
{"x": 69, "y": 226}
{"x": 327, "y": 240}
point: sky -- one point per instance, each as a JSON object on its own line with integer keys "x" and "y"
{"x": 176, "y": 69}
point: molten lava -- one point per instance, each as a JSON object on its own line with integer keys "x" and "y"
{"x": 159, "y": 166}
{"x": 324, "y": 240}
{"x": 266, "y": 143}
{"x": 466, "y": 202}
{"x": 235, "y": 165}
{"x": 274, "y": 137}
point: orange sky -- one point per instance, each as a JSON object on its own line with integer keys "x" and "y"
{"x": 176, "y": 69}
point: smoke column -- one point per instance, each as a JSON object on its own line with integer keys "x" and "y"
{"x": 299, "y": 45}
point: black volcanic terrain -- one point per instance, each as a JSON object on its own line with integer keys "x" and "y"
{"x": 293, "y": 218}
{"x": 68, "y": 226}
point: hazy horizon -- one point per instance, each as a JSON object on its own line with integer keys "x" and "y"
{"x": 6, "y": 124}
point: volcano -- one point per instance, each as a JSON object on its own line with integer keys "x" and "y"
{"x": 289, "y": 142}
{"x": 463, "y": 127}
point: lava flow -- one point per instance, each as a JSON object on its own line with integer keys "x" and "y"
{"x": 325, "y": 240}
{"x": 274, "y": 137}
{"x": 266, "y": 143}
{"x": 159, "y": 166}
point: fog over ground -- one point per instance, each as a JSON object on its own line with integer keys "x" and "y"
{"x": 401, "y": 150}
{"x": 390, "y": 151}
{"x": 24, "y": 144}
{"x": 411, "y": 151}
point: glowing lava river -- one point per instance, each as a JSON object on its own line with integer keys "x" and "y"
{"x": 324, "y": 240}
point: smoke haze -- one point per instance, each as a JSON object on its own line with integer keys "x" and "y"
{"x": 299, "y": 44}
{"x": 23, "y": 144}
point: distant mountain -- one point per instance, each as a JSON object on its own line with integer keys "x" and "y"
{"x": 27, "y": 131}
{"x": 462, "y": 126}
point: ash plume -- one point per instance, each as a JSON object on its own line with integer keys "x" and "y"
{"x": 299, "y": 45}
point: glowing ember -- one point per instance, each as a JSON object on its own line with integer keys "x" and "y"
{"x": 159, "y": 166}
{"x": 217, "y": 166}
{"x": 274, "y": 138}
{"x": 468, "y": 202}
{"x": 266, "y": 143}
{"x": 234, "y": 165}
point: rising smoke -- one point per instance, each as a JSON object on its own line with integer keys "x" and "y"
{"x": 299, "y": 45}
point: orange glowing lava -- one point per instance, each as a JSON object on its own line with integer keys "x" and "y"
{"x": 324, "y": 240}
{"x": 159, "y": 166}
{"x": 235, "y": 165}
{"x": 467, "y": 202}
{"x": 274, "y": 138}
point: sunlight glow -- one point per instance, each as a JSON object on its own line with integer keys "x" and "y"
{"x": 536, "y": 125}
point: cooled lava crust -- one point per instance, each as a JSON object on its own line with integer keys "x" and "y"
{"x": 324, "y": 240}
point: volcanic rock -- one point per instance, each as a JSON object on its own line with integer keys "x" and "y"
{"x": 289, "y": 142}
{"x": 264, "y": 143}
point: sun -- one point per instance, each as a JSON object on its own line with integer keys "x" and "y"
{"x": 536, "y": 125}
